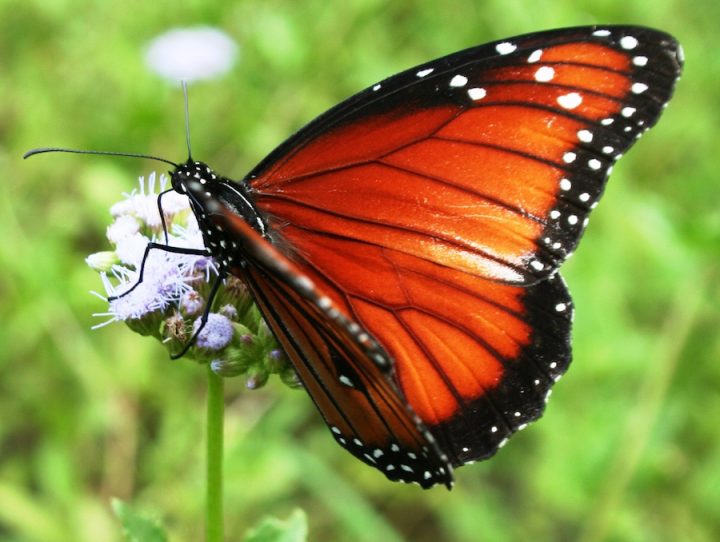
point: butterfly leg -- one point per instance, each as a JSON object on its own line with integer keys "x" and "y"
{"x": 203, "y": 318}
{"x": 166, "y": 248}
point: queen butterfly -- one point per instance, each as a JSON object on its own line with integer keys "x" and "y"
{"x": 404, "y": 246}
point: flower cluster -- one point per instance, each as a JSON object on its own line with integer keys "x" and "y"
{"x": 171, "y": 299}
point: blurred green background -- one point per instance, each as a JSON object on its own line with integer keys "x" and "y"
{"x": 628, "y": 448}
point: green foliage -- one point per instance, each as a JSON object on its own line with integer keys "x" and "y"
{"x": 628, "y": 448}
{"x": 271, "y": 529}
{"x": 137, "y": 527}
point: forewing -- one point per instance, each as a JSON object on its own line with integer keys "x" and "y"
{"x": 487, "y": 161}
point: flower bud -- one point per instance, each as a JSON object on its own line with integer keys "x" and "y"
{"x": 227, "y": 368}
{"x": 216, "y": 334}
{"x": 229, "y": 311}
{"x": 256, "y": 379}
{"x": 192, "y": 303}
{"x": 290, "y": 378}
{"x": 102, "y": 261}
{"x": 174, "y": 328}
{"x": 276, "y": 360}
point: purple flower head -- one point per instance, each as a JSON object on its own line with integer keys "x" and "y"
{"x": 192, "y": 302}
{"x": 216, "y": 334}
{"x": 163, "y": 284}
{"x": 175, "y": 287}
{"x": 142, "y": 205}
{"x": 230, "y": 311}
{"x": 166, "y": 276}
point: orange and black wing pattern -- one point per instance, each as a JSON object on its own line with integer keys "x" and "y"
{"x": 346, "y": 372}
{"x": 404, "y": 246}
{"x": 434, "y": 209}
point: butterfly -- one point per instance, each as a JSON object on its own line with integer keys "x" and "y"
{"x": 404, "y": 246}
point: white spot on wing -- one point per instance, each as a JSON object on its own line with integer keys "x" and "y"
{"x": 544, "y": 74}
{"x": 477, "y": 93}
{"x": 627, "y": 111}
{"x": 628, "y": 42}
{"x": 535, "y": 56}
{"x": 585, "y": 136}
{"x": 427, "y": 71}
{"x": 458, "y": 81}
{"x": 570, "y": 100}
{"x": 639, "y": 88}
{"x": 304, "y": 283}
{"x": 505, "y": 48}
{"x": 601, "y": 33}
{"x": 569, "y": 157}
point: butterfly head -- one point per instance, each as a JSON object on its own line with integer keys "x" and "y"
{"x": 191, "y": 176}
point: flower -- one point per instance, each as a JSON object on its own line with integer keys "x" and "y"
{"x": 191, "y": 54}
{"x": 102, "y": 261}
{"x": 216, "y": 334}
{"x": 171, "y": 299}
{"x": 192, "y": 303}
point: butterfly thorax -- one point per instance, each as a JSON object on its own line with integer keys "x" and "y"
{"x": 212, "y": 199}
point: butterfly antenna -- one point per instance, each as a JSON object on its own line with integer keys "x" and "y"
{"x": 187, "y": 119}
{"x": 42, "y": 150}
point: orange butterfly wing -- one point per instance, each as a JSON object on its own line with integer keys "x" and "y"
{"x": 345, "y": 371}
{"x": 434, "y": 209}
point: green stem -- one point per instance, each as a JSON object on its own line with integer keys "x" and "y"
{"x": 215, "y": 416}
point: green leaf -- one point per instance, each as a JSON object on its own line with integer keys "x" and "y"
{"x": 137, "y": 526}
{"x": 271, "y": 529}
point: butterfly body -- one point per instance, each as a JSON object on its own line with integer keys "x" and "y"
{"x": 404, "y": 246}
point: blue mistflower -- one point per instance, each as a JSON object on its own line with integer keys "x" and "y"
{"x": 216, "y": 334}
{"x": 192, "y": 303}
{"x": 168, "y": 303}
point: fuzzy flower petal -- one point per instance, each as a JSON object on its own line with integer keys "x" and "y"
{"x": 143, "y": 204}
{"x": 124, "y": 226}
{"x": 173, "y": 203}
{"x": 216, "y": 334}
{"x": 192, "y": 302}
{"x": 130, "y": 250}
